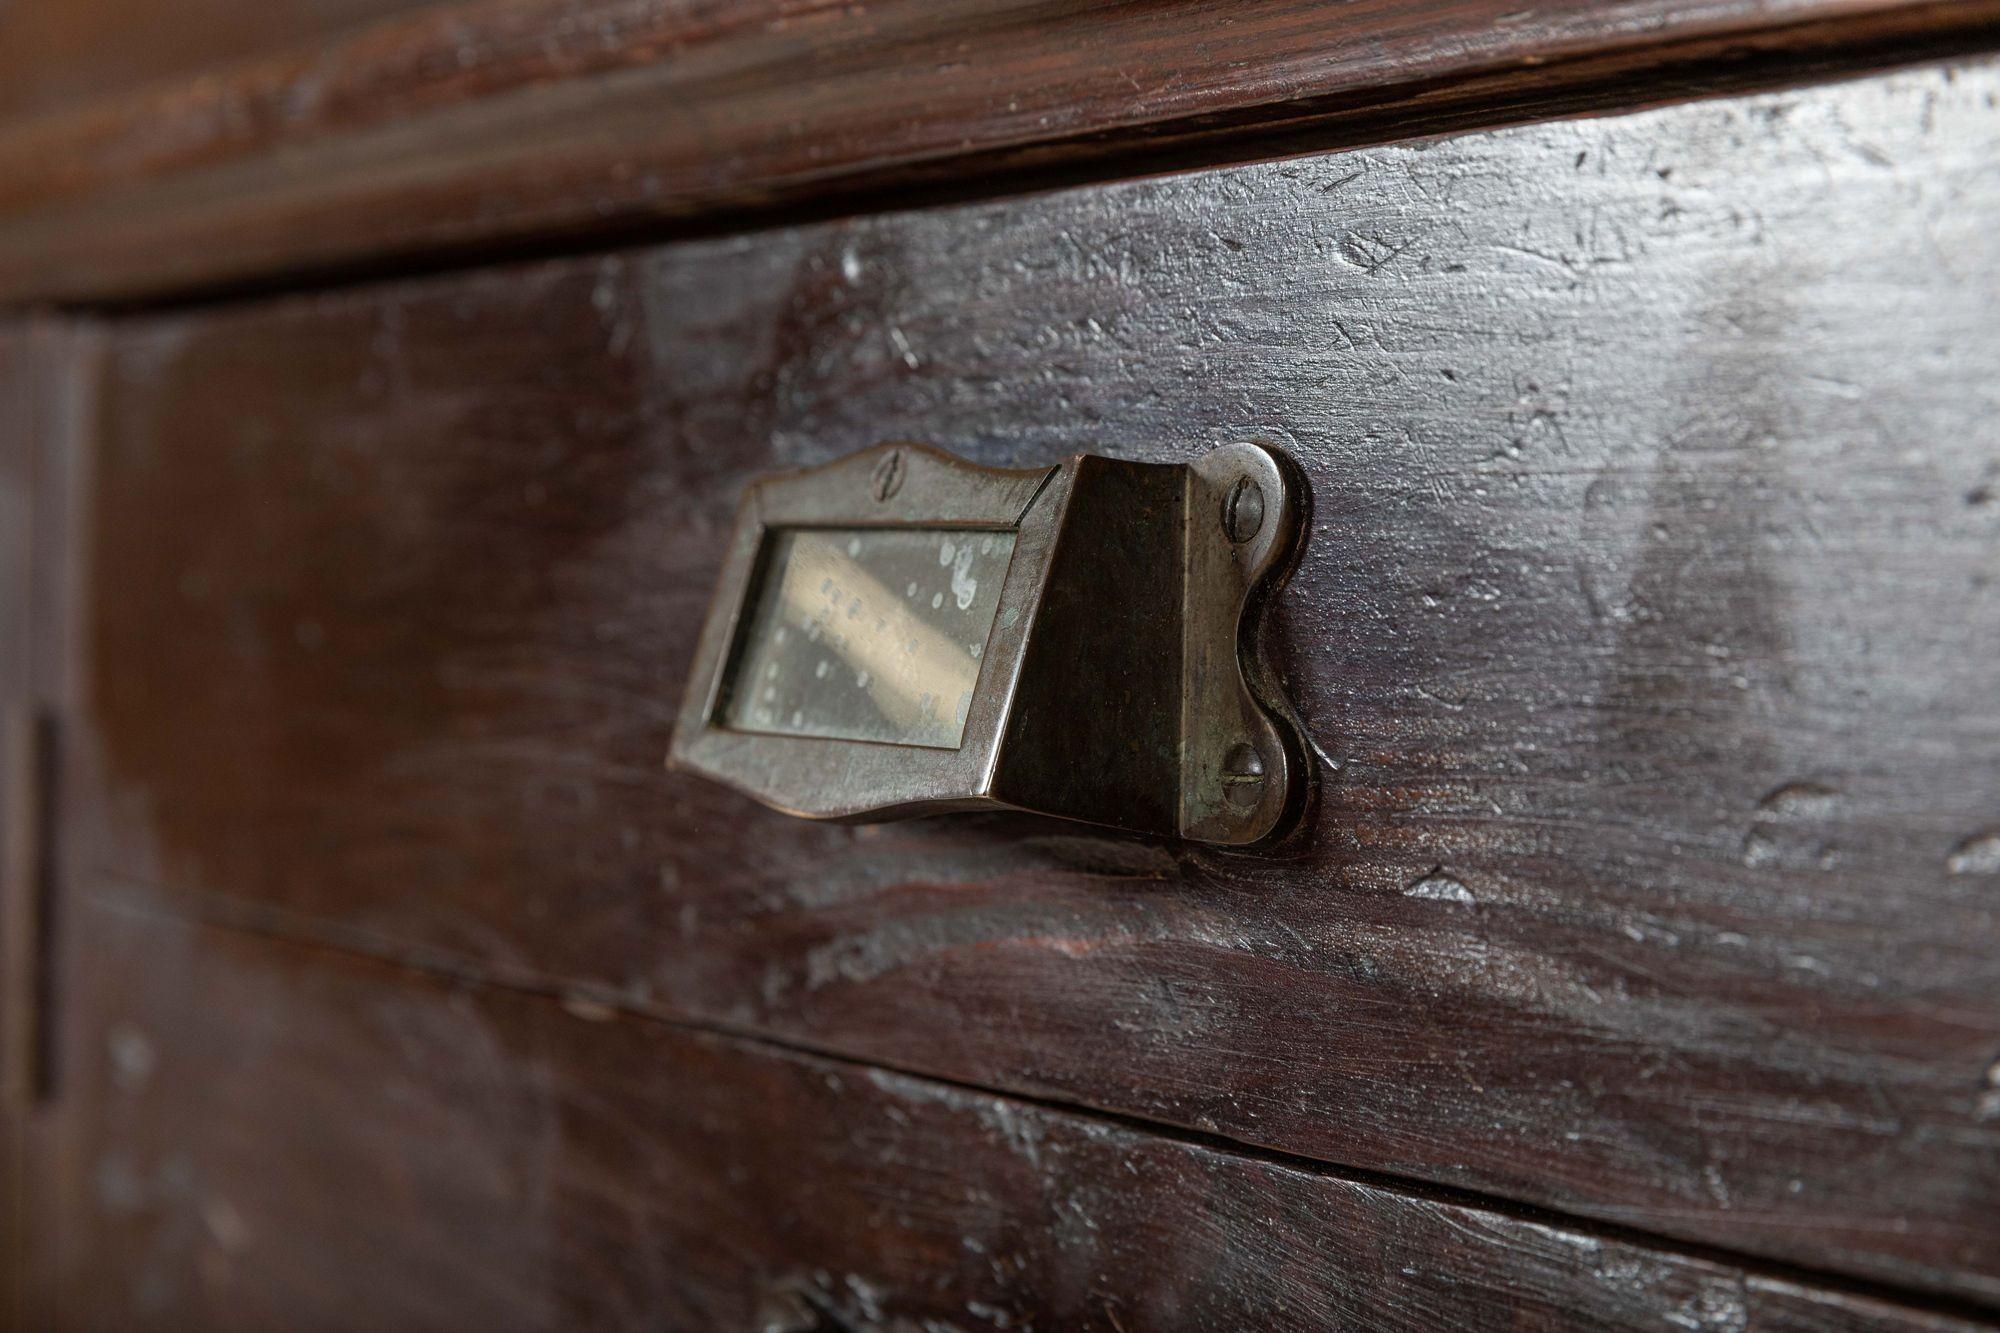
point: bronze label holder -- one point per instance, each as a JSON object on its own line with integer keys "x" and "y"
{"x": 901, "y": 632}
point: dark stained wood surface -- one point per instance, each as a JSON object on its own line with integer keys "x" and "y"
{"x": 18, "y": 394}
{"x": 59, "y": 53}
{"x": 268, "y": 1136}
{"x": 44, "y": 365}
{"x": 462, "y": 128}
{"x": 1648, "y": 633}
{"x": 19, "y": 371}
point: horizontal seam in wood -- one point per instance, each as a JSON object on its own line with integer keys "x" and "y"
{"x": 277, "y": 926}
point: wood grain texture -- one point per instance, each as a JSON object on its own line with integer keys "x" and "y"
{"x": 274, "y": 1137}
{"x": 1648, "y": 633}
{"x": 60, "y": 53}
{"x": 462, "y": 128}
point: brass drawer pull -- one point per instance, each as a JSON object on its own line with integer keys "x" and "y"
{"x": 902, "y": 632}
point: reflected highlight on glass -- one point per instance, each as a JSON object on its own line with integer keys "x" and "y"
{"x": 871, "y": 634}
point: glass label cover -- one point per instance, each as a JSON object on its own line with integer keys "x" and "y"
{"x": 868, "y": 634}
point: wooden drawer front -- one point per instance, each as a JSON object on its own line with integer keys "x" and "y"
{"x": 283, "y": 1138}
{"x": 1648, "y": 633}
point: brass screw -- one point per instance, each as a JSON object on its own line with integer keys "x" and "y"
{"x": 1243, "y": 510}
{"x": 889, "y": 474}
{"x": 1243, "y": 776}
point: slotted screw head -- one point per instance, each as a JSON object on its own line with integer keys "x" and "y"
{"x": 889, "y": 474}
{"x": 1243, "y": 776}
{"x": 1243, "y": 510}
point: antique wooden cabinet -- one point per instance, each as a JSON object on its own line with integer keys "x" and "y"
{"x": 378, "y": 385}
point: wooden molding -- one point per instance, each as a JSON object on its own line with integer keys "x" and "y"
{"x": 472, "y": 130}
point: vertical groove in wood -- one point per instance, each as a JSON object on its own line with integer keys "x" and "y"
{"x": 20, "y": 906}
{"x": 17, "y": 1027}
{"x": 37, "y": 840}
{"x": 47, "y": 366}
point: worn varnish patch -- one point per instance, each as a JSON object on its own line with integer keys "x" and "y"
{"x": 1648, "y": 635}
{"x": 273, "y": 1136}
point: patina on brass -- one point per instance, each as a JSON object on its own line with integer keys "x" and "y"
{"x": 901, "y": 632}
